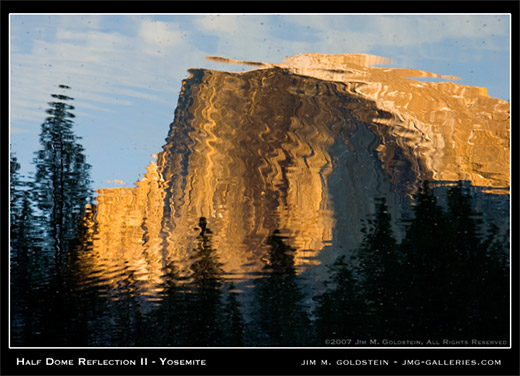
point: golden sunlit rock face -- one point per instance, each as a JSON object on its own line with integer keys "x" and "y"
{"x": 454, "y": 132}
{"x": 302, "y": 147}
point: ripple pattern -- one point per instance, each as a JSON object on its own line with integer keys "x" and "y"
{"x": 302, "y": 148}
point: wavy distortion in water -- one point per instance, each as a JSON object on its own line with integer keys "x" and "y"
{"x": 302, "y": 147}
{"x": 283, "y": 188}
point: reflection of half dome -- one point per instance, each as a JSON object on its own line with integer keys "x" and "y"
{"x": 302, "y": 147}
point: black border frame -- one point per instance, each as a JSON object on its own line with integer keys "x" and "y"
{"x": 263, "y": 361}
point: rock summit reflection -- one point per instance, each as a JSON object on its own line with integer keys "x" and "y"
{"x": 457, "y": 132}
{"x": 302, "y": 148}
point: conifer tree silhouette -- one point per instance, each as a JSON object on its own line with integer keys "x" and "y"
{"x": 14, "y": 190}
{"x": 23, "y": 226}
{"x": 379, "y": 270}
{"x": 234, "y": 325}
{"x": 49, "y": 231}
{"x": 426, "y": 271}
{"x": 341, "y": 309}
{"x": 448, "y": 269}
{"x": 478, "y": 268}
{"x": 281, "y": 318}
{"x": 28, "y": 265}
{"x": 171, "y": 308}
{"x": 61, "y": 187}
{"x": 204, "y": 292}
{"x": 445, "y": 280}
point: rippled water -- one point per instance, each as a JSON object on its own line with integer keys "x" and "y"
{"x": 268, "y": 178}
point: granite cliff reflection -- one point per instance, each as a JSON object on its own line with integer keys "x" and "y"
{"x": 455, "y": 132}
{"x": 302, "y": 148}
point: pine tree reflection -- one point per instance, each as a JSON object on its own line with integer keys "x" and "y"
{"x": 169, "y": 314}
{"x": 45, "y": 215}
{"x": 280, "y": 317}
{"x": 379, "y": 270}
{"x": 444, "y": 280}
{"x": 61, "y": 186}
{"x": 203, "y": 301}
{"x": 447, "y": 278}
{"x": 341, "y": 309}
{"x": 234, "y": 325}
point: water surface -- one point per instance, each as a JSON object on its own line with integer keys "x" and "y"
{"x": 290, "y": 204}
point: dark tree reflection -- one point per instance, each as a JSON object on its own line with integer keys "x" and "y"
{"x": 28, "y": 267}
{"x": 61, "y": 187}
{"x": 280, "y": 317}
{"x": 429, "y": 262}
{"x": 15, "y": 193}
{"x": 45, "y": 227}
{"x": 169, "y": 315}
{"x": 447, "y": 278}
{"x": 444, "y": 280}
{"x": 203, "y": 301}
{"x": 379, "y": 270}
{"x": 234, "y": 325}
{"x": 341, "y": 309}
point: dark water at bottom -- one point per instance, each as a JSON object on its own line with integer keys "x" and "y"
{"x": 446, "y": 276}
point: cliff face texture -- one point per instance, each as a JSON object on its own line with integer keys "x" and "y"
{"x": 303, "y": 147}
{"x": 454, "y": 132}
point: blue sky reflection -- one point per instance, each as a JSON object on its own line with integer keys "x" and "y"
{"x": 126, "y": 70}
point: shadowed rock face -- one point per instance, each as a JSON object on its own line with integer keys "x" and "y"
{"x": 303, "y": 147}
